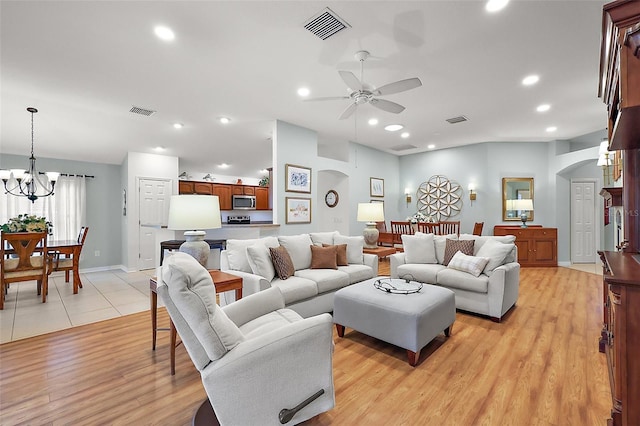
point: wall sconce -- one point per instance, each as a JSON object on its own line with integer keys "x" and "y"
{"x": 407, "y": 193}
{"x": 472, "y": 194}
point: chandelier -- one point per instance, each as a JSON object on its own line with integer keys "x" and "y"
{"x": 29, "y": 183}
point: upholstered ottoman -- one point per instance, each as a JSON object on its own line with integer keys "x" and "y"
{"x": 406, "y": 320}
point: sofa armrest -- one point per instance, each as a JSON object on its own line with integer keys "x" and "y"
{"x": 295, "y": 359}
{"x": 251, "y": 283}
{"x": 504, "y": 285}
{"x": 396, "y": 260}
{"x": 256, "y": 305}
{"x": 371, "y": 260}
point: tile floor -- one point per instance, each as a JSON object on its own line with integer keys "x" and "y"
{"x": 105, "y": 295}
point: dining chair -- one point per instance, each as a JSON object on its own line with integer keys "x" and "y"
{"x": 429, "y": 227}
{"x": 450, "y": 227}
{"x": 477, "y": 228}
{"x": 65, "y": 261}
{"x": 398, "y": 229}
{"x": 24, "y": 264}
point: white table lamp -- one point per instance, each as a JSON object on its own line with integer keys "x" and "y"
{"x": 524, "y": 206}
{"x": 370, "y": 213}
{"x": 194, "y": 213}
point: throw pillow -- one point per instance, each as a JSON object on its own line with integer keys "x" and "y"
{"x": 237, "y": 252}
{"x": 465, "y": 246}
{"x": 282, "y": 262}
{"x": 260, "y": 261}
{"x": 320, "y": 238}
{"x": 324, "y": 257}
{"x": 419, "y": 248}
{"x": 355, "y": 245}
{"x": 341, "y": 254}
{"x": 470, "y": 264}
{"x": 298, "y": 248}
{"x": 496, "y": 252}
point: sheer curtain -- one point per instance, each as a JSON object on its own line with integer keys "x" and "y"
{"x": 66, "y": 209}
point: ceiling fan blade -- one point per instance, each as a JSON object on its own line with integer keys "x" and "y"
{"x": 350, "y": 80}
{"x": 399, "y": 86}
{"x": 348, "y": 112}
{"x": 386, "y": 105}
{"x": 327, "y": 98}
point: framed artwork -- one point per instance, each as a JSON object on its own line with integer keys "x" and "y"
{"x": 298, "y": 179}
{"x": 376, "y": 187}
{"x": 298, "y": 210}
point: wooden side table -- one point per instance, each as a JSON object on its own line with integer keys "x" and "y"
{"x": 380, "y": 251}
{"x": 222, "y": 281}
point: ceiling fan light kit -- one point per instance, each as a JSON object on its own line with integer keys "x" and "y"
{"x": 364, "y": 93}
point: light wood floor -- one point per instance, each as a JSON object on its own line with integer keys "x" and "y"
{"x": 540, "y": 366}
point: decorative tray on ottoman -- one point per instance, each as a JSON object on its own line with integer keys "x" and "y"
{"x": 397, "y": 285}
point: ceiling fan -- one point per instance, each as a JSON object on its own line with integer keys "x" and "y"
{"x": 362, "y": 93}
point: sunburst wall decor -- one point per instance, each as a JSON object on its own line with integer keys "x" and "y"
{"x": 440, "y": 198}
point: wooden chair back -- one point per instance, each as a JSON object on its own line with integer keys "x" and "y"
{"x": 23, "y": 264}
{"x": 429, "y": 227}
{"x": 64, "y": 261}
{"x": 400, "y": 228}
{"x": 450, "y": 227}
{"x": 477, "y": 228}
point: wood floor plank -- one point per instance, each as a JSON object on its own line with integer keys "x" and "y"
{"x": 539, "y": 366}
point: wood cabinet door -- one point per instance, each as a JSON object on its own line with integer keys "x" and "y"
{"x": 185, "y": 187}
{"x": 202, "y": 188}
{"x": 524, "y": 251}
{"x": 249, "y": 190}
{"x": 262, "y": 198}
{"x": 237, "y": 189}
{"x": 224, "y": 195}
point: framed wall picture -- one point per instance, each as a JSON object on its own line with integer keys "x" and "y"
{"x": 298, "y": 178}
{"x": 298, "y": 210}
{"x": 376, "y": 187}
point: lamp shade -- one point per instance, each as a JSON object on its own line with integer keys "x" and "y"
{"x": 604, "y": 147}
{"x": 194, "y": 212}
{"x": 525, "y": 204}
{"x": 370, "y": 212}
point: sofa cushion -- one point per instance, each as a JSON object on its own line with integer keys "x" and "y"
{"x": 192, "y": 291}
{"x": 325, "y": 279}
{"x": 422, "y": 272}
{"x": 295, "y": 288}
{"x": 268, "y": 322}
{"x": 496, "y": 252}
{"x": 453, "y": 246}
{"x": 452, "y": 278}
{"x": 440, "y": 243}
{"x": 355, "y": 245}
{"x": 260, "y": 261}
{"x": 419, "y": 248}
{"x": 358, "y": 273}
{"x": 237, "y": 252}
{"x": 320, "y": 238}
{"x": 282, "y": 262}
{"x": 298, "y": 248}
{"x": 480, "y": 240}
{"x": 470, "y": 264}
{"x": 341, "y": 254}
{"x": 324, "y": 257}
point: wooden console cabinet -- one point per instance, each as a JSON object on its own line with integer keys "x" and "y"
{"x": 620, "y": 337}
{"x": 537, "y": 246}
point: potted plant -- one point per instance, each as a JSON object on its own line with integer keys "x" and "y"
{"x": 264, "y": 181}
{"x": 26, "y": 223}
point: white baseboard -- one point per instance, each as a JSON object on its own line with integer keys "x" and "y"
{"x": 565, "y": 264}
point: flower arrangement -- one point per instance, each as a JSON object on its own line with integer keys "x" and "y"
{"x": 26, "y": 223}
{"x": 264, "y": 181}
{"x": 419, "y": 217}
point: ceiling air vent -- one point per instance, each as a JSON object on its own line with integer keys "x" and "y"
{"x": 403, "y": 147}
{"x": 458, "y": 119}
{"x": 325, "y": 24}
{"x": 141, "y": 111}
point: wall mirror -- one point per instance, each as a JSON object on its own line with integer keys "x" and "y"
{"x": 516, "y": 189}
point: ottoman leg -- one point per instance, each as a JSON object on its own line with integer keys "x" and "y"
{"x": 413, "y": 357}
{"x": 340, "y": 330}
{"x": 447, "y": 331}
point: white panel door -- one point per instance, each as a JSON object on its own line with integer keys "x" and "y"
{"x": 583, "y": 237}
{"x": 153, "y": 211}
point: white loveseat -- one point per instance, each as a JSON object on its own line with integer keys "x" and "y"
{"x": 309, "y": 291}
{"x": 485, "y": 282}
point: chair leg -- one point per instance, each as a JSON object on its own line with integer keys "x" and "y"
{"x": 3, "y": 289}
{"x": 45, "y": 289}
{"x": 66, "y": 276}
{"x": 39, "y": 287}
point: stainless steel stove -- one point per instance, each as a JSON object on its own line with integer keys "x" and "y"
{"x": 243, "y": 220}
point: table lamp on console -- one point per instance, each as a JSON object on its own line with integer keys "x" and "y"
{"x": 370, "y": 213}
{"x": 524, "y": 206}
{"x": 194, "y": 214}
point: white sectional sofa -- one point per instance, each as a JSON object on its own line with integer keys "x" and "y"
{"x": 485, "y": 281}
{"x": 309, "y": 291}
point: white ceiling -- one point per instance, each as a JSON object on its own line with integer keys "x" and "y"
{"x": 83, "y": 64}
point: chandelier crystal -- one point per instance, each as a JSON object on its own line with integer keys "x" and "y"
{"x": 29, "y": 183}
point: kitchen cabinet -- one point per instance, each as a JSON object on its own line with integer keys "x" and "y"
{"x": 203, "y": 188}
{"x": 185, "y": 187}
{"x": 243, "y": 190}
{"x": 262, "y": 198}
{"x": 224, "y": 195}
{"x": 537, "y": 246}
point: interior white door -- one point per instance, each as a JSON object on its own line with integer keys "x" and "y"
{"x": 154, "y": 195}
{"x": 583, "y": 211}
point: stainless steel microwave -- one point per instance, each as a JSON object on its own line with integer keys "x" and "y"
{"x": 243, "y": 202}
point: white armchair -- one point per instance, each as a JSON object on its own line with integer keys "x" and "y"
{"x": 259, "y": 363}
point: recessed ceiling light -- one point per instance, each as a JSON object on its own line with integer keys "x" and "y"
{"x": 530, "y": 80}
{"x": 543, "y": 108}
{"x": 303, "y": 91}
{"x": 551, "y": 129}
{"x": 264, "y": 171}
{"x": 495, "y": 5}
{"x": 405, "y": 135}
{"x": 225, "y": 120}
{"x": 223, "y": 166}
{"x": 431, "y": 146}
{"x": 178, "y": 125}
{"x": 393, "y": 127}
{"x": 373, "y": 121}
{"x": 159, "y": 148}
{"x": 164, "y": 33}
